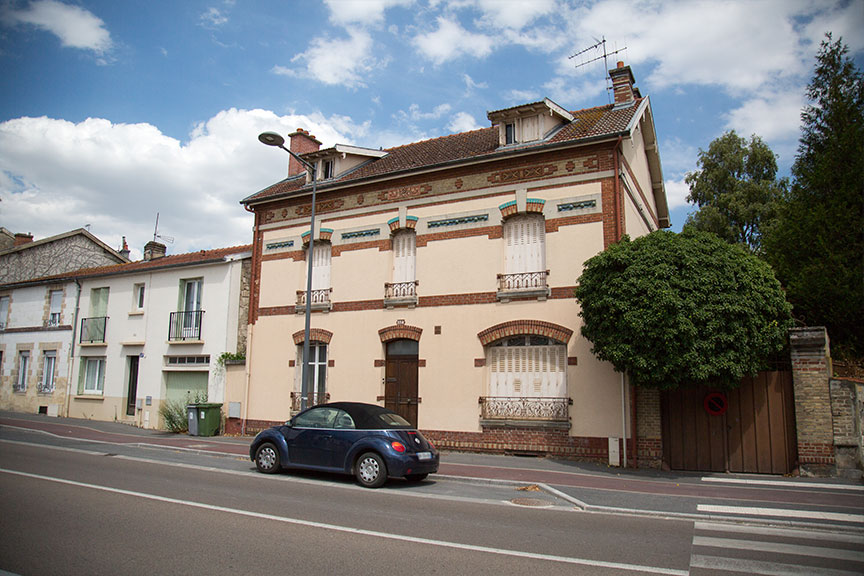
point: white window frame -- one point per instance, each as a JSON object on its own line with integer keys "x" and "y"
{"x": 327, "y": 169}
{"x": 23, "y": 366}
{"x": 525, "y": 244}
{"x": 138, "y": 296}
{"x": 404, "y": 256}
{"x": 321, "y": 256}
{"x": 94, "y": 375}
{"x": 55, "y": 307}
{"x": 318, "y": 353}
{"x": 49, "y": 366}
{"x": 4, "y": 311}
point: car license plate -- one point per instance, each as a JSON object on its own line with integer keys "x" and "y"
{"x": 424, "y": 455}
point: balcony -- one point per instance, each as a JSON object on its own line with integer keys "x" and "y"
{"x": 185, "y": 326}
{"x": 320, "y": 300}
{"x": 525, "y": 411}
{"x": 93, "y": 330}
{"x": 400, "y": 293}
{"x": 523, "y": 285}
{"x": 296, "y": 397}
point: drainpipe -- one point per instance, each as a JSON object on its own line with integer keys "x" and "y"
{"x": 618, "y": 208}
{"x": 249, "y": 336}
{"x": 72, "y": 348}
{"x": 624, "y": 417}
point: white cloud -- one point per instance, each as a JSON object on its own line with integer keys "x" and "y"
{"x": 57, "y": 175}
{"x": 415, "y": 114}
{"x": 471, "y": 85}
{"x": 73, "y": 25}
{"x": 451, "y": 41}
{"x": 338, "y": 61}
{"x": 676, "y": 193}
{"x": 213, "y": 18}
{"x": 363, "y": 12}
{"x": 522, "y": 96}
{"x": 514, "y": 14}
{"x": 463, "y": 122}
{"x": 772, "y": 116}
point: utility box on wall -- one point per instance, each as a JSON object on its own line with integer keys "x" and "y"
{"x": 614, "y": 452}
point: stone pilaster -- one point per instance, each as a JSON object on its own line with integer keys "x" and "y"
{"x": 649, "y": 428}
{"x": 811, "y": 371}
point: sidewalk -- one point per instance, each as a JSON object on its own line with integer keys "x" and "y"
{"x": 588, "y": 486}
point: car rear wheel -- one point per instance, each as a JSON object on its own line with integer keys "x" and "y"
{"x": 371, "y": 470}
{"x": 416, "y": 477}
{"x": 267, "y": 458}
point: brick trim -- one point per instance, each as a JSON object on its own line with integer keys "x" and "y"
{"x": 397, "y": 332}
{"x": 315, "y": 335}
{"x": 520, "y": 327}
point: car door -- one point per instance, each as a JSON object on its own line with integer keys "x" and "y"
{"x": 345, "y": 435}
{"x": 310, "y": 438}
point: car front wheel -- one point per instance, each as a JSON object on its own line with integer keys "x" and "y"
{"x": 371, "y": 470}
{"x": 267, "y": 458}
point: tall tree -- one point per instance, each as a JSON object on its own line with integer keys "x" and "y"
{"x": 817, "y": 245}
{"x": 735, "y": 188}
{"x": 676, "y": 309}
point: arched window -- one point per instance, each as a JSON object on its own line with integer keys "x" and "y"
{"x": 527, "y": 366}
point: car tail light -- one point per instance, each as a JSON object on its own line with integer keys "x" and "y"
{"x": 398, "y": 446}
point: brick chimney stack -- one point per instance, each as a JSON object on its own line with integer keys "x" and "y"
{"x": 124, "y": 250}
{"x": 21, "y": 239}
{"x": 154, "y": 250}
{"x": 622, "y": 83}
{"x": 301, "y": 143}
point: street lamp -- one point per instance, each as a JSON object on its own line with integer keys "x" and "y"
{"x": 274, "y": 139}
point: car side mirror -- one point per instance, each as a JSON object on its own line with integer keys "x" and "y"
{"x": 289, "y": 423}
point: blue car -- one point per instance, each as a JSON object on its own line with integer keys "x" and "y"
{"x": 365, "y": 440}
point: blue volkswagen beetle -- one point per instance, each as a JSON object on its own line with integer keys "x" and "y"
{"x": 365, "y": 440}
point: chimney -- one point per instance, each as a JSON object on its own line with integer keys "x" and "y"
{"x": 124, "y": 251}
{"x": 622, "y": 83}
{"x": 21, "y": 239}
{"x": 301, "y": 143}
{"x": 154, "y": 250}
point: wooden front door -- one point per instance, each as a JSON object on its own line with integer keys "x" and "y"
{"x": 400, "y": 388}
{"x": 750, "y": 429}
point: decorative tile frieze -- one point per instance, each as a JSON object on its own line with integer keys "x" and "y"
{"x": 361, "y": 234}
{"x": 519, "y": 174}
{"x": 405, "y": 192}
{"x": 458, "y": 221}
{"x": 278, "y": 245}
{"x": 581, "y": 205}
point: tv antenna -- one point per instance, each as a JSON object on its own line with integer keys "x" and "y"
{"x": 604, "y": 56}
{"x": 169, "y": 239}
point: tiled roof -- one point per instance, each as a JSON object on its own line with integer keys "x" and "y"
{"x": 588, "y": 124}
{"x": 174, "y": 260}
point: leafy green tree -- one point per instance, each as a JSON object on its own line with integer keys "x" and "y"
{"x": 817, "y": 244}
{"x": 735, "y": 188}
{"x": 675, "y": 309}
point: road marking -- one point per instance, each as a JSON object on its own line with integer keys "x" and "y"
{"x": 777, "y": 548}
{"x": 360, "y": 531}
{"x": 780, "y": 483}
{"x": 782, "y": 513}
{"x": 783, "y": 532}
{"x": 763, "y": 568}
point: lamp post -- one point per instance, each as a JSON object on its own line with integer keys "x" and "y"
{"x": 274, "y": 139}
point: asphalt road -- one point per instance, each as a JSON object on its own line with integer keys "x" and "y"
{"x": 105, "y": 510}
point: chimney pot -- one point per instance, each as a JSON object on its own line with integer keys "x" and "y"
{"x": 21, "y": 239}
{"x": 301, "y": 143}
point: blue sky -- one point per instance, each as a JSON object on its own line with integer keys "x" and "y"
{"x": 112, "y": 111}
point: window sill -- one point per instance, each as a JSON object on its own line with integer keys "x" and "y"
{"x": 301, "y": 308}
{"x": 407, "y": 302}
{"x": 539, "y": 294}
{"x": 136, "y": 313}
{"x": 507, "y": 423}
{"x": 132, "y": 343}
{"x": 183, "y": 342}
{"x": 92, "y": 344}
{"x": 97, "y": 397}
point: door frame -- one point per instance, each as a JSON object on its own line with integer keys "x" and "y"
{"x": 402, "y": 382}
{"x": 133, "y": 361}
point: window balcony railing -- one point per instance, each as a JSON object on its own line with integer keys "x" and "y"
{"x": 320, "y": 299}
{"x": 525, "y": 408}
{"x": 93, "y": 330}
{"x": 185, "y": 325}
{"x": 396, "y": 293}
{"x": 523, "y": 284}
{"x": 296, "y": 398}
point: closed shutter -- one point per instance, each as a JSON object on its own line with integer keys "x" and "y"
{"x": 404, "y": 257}
{"x": 321, "y": 266}
{"x": 525, "y": 238}
{"x": 98, "y": 302}
{"x": 528, "y": 371}
{"x": 185, "y": 386}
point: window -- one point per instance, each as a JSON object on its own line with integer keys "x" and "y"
{"x": 321, "y": 267}
{"x": 322, "y": 417}
{"x": 318, "y": 368}
{"x": 138, "y": 294}
{"x": 56, "y": 306}
{"x": 528, "y": 366}
{"x": 93, "y": 376}
{"x": 191, "y": 295}
{"x": 20, "y": 384}
{"x": 326, "y": 169}
{"x": 49, "y": 363}
{"x": 525, "y": 238}
{"x": 4, "y": 311}
{"x": 98, "y": 302}
{"x": 202, "y": 360}
{"x": 404, "y": 256}
{"x": 510, "y": 133}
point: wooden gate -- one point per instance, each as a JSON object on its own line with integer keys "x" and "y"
{"x": 750, "y": 429}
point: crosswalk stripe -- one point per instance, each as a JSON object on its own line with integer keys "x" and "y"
{"x": 763, "y": 568}
{"x": 783, "y": 484}
{"x": 777, "y": 548}
{"x": 783, "y": 513}
{"x": 786, "y": 532}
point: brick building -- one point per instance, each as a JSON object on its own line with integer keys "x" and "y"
{"x": 443, "y": 276}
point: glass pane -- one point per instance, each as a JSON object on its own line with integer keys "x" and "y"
{"x": 344, "y": 421}
{"x": 403, "y": 348}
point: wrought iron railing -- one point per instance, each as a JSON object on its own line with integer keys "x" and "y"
{"x": 522, "y": 281}
{"x": 297, "y": 398}
{"x": 93, "y": 329}
{"x": 185, "y": 325}
{"x": 524, "y": 408}
{"x": 399, "y": 290}
{"x": 319, "y": 297}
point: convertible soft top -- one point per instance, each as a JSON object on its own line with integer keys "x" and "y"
{"x": 371, "y": 416}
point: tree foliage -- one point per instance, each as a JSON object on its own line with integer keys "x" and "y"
{"x": 817, "y": 244}
{"x": 674, "y": 309}
{"x": 735, "y": 188}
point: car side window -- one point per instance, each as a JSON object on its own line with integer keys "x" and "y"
{"x": 322, "y": 417}
{"x": 344, "y": 421}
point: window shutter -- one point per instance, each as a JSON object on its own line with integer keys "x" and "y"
{"x": 321, "y": 266}
{"x": 404, "y": 256}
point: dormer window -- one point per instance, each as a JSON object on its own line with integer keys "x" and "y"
{"x": 327, "y": 169}
{"x": 510, "y": 133}
{"x": 529, "y": 122}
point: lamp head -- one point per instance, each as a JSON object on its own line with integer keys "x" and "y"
{"x": 271, "y": 139}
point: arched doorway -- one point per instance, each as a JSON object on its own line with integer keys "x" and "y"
{"x": 400, "y": 384}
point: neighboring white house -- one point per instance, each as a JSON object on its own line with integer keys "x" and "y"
{"x": 154, "y": 330}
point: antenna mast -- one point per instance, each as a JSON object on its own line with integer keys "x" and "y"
{"x": 599, "y": 43}
{"x": 169, "y": 239}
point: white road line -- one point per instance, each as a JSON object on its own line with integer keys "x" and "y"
{"x": 362, "y": 532}
{"x": 777, "y": 548}
{"x": 783, "y": 532}
{"x": 782, "y": 484}
{"x": 763, "y": 568}
{"x": 782, "y": 513}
